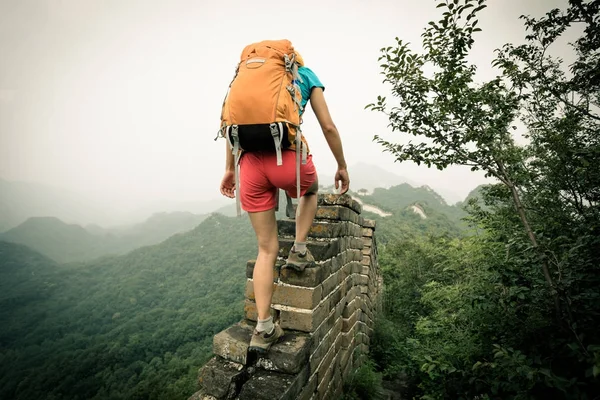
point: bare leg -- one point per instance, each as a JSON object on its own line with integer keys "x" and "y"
{"x": 307, "y": 207}
{"x": 265, "y": 227}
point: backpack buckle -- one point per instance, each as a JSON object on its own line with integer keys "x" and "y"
{"x": 277, "y": 138}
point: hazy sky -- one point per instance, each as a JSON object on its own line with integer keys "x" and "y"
{"x": 120, "y": 99}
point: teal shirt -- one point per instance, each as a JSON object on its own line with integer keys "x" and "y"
{"x": 308, "y": 82}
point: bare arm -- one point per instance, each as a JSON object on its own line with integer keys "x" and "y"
{"x": 319, "y": 106}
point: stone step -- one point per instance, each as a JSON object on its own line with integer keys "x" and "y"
{"x": 290, "y": 295}
{"x": 221, "y": 378}
{"x": 312, "y": 276}
{"x": 276, "y": 269}
{"x": 289, "y": 355}
{"x": 298, "y": 319}
{"x": 270, "y": 385}
{"x": 331, "y": 199}
{"x": 322, "y": 250}
{"x": 337, "y": 213}
{"x": 321, "y": 229}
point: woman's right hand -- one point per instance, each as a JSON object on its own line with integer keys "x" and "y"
{"x": 342, "y": 179}
{"x": 228, "y": 184}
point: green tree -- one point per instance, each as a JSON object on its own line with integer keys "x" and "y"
{"x": 460, "y": 122}
{"x": 521, "y": 333}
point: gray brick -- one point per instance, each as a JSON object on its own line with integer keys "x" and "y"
{"x": 369, "y": 223}
{"x": 310, "y": 277}
{"x": 357, "y": 255}
{"x": 349, "y": 322}
{"x": 297, "y": 296}
{"x": 250, "y": 269}
{"x": 330, "y": 199}
{"x": 337, "y": 213}
{"x": 331, "y": 283}
{"x": 353, "y": 294}
{"x": 267, "y": 385}
{"x": 309, "y": 388}
{"x": 221, "y": 378}
{"x": 321, "y": 250}
{"x": 366, "y": 260}
{"x": 321, "y": 351}
{"x": 339, "y": 308}
{"x": 232, "y": 343}
{"x": 351, "y": 306}
{"x": 325, "y": 372}
{"x": 251, "y": 313}
{"x": 289, "y": 355}
{"x": 360, "y": 279}
{"x": 322, "y": 330}
{"x": 304, "y": 320}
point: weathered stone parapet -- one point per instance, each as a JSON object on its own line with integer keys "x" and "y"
{"x": 327, "y": 312}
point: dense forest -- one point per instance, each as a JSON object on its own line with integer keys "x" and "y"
{"x": 510, "y": 307}
{"x": 139, "y": 326}
{"x": 131, "y": 327}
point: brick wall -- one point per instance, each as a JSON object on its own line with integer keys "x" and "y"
{"x": 327, "y": 313}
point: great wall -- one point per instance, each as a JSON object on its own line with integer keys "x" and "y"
{"x": 328, "y": 314}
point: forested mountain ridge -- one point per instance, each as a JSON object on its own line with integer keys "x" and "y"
{"x": 129, "y": 327}
{"x": 410, "y": 211}
{"x": 64, "y": 242}
{"x": 70, "y": 242}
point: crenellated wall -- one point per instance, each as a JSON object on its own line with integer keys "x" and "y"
{"x": 327, "y": 313}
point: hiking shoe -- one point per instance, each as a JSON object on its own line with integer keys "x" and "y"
{"x": 299, "y": 261}
{"x": 262, "y": 341}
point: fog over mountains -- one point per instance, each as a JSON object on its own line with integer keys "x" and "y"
{"x": 22, "y": 200}
{"x": 69, "y": 227}
{"x": 56, "y": 224}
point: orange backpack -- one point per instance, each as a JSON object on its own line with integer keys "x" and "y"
{"x": 261, "y": 110}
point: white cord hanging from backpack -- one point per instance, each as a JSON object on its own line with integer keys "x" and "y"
{"x": 232, "y": 132}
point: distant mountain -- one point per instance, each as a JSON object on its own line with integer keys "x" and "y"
{"x": 64, "y": 242}
{"x": 120, "y": 327}
{"x": 368, "y": 177}
{"x": 403, "y": 210}
{"x": 475, "y": 193}
{"x": 403, "y": 195}
{"x": 19, "y": 264}
{"x": 157, "y": 228}
{"x": 163, "y": 206}
{"x": 22, "y": 200}
{"x": 55, "y": 239}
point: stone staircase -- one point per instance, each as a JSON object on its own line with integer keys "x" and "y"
{"x": 327, "y": 313}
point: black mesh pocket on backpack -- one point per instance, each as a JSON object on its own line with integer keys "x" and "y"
{"x": 259, "y": 138}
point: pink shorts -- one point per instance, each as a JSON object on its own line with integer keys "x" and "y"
{"x": 261, "y": 177}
